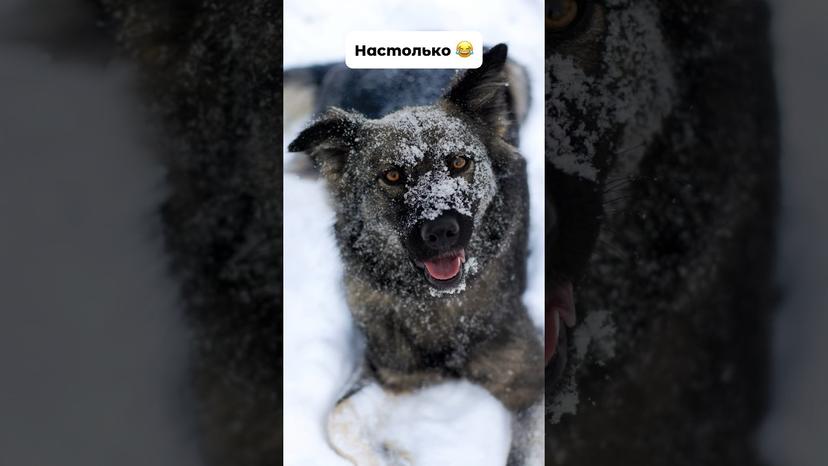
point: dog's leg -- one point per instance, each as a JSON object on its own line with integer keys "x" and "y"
{"x": 356, "y": 422}
{"x": 510, "y": 366}
{"x": 527, "y": 447}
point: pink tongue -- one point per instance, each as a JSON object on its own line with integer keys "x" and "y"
{"x": 551, "y": 331}
{"x": 559, "y": 305}
{"x": 443, "y": 268}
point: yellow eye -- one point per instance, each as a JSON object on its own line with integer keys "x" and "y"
{"x": 458, "y": 163}
{"x": 392, "y": 176}
{"x": 561, "y": 13}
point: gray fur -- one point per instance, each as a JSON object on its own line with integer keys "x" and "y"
{"x": 417, "y": 335}
{"x": 211, "y": 73}
{"x": 663, "y": 116}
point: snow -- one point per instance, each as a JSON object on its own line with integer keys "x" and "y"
{"x": 437, "y": 190}
{"x": 635, "y": 91}
{"x": 406, "y": 426}
{"x": 419, "y": 123}
{"x": 598, "y": 330}
{"x": 458, "y": 422}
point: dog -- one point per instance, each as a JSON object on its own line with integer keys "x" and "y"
{"x": 213, "y": 89}
{"x": 661, "y": 184}
{"x": 431, "y": 208}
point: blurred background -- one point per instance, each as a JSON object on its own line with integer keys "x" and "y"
{"x": 797, "y": 426}
{"x": 93, "y": 350}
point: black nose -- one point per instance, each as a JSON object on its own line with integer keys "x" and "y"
{"x": 441, "y": 233}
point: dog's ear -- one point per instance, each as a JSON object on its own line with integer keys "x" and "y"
{"x": 481, "y": 92}
{"x": 328, "y": 140}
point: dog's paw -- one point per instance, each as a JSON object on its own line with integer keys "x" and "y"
{"x": 448, "y": 423}
{"x": 354, "y": 425}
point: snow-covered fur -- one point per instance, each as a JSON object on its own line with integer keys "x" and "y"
{"x": 420, "y": 330}
{"x": 661, "y": 189}
{"x": 211, "y": 72}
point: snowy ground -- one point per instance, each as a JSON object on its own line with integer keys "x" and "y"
{"x": 455, "y": 423}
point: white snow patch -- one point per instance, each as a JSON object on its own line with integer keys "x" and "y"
{"x": 565, "y": 401}
{"x": 401, "y": 429}
{"x": 597, "y": 332}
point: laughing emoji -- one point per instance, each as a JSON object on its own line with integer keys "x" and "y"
{"x": 465, "y": 49}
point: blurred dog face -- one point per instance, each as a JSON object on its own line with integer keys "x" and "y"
{"x": 609, "y": 86}
{"x": 412, "y": 189}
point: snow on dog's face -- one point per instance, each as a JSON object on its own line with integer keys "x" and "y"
{"x": 433, "y": 182}
{"x": 609, "y": 85}
{"x": 413, "y": 189}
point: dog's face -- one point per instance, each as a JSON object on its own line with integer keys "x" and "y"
{"x": 413, "y": 188}
{"x": 609, "y": 86}
{"x": 431, "y": 179}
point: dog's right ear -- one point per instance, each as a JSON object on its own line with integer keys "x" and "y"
{"x": 328, "y": 140}
{"x": 481, "y": 92}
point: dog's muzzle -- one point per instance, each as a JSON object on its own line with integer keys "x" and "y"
{"x": 438, "y": 247}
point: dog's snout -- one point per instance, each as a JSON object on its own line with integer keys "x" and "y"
{"x": 441, "y": 233}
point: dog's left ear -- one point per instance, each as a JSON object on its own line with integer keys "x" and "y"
{"x": 328, "y": 140}
{"x": 481, "y": 92}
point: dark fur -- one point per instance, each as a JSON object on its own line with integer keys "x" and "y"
{"x": 415, "y": 336}
{"x": 213, "y": 73}
{"x": 679, "y": 250}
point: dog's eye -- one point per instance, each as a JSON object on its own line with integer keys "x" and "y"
{"x": 560, "y": 14}
{"x": 392, "y": 176}
{"x": 458, "y": 164}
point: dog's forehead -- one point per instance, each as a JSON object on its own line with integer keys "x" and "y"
{"x": 421, "y": 134}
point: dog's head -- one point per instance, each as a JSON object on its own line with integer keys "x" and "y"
{"x": 609, "y": 86}
{"x": 412, "y": 189}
